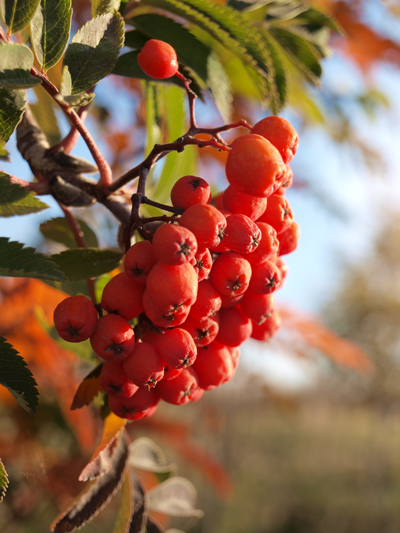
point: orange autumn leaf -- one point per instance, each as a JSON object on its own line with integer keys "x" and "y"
{"x": 314, "y": 334}
{"x": 88, "y": 389}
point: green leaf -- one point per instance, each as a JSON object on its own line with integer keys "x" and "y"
{"x": 92, "y": 53}
{"x": 77, "y": 100}
{"x": 50, "y": 29}
{"x": 12, "y": 106}
{"x": 248, "y": 5}
{"x": 280, "y": 76}
{"x": 314, "y": 20}
{"x": 100, "y": 7}
{"x": 192, "y": 53}
{"x": 58, "y": 230}
{"x": 19, "y": 262}
{"x": 300, "y": 52}
{"x": 85, "y": 263}
{"x": 3, "y": 481}
{"x": 17, "y": 13}
{"x": 232, "y": 29}
{"x": 16, "y": 61}
{"x": 17, "y": 200}
{"x": 17, "y": 378}
{"x": 176, "y": 165}
{"x": 4, "y": 154}
{"x": 43, "y": 111}
{"x": 135, "y": 39}
{"x": 132, "y": 512}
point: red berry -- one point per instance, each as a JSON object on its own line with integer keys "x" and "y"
{"x": 242, "y": 235}
{"x": 268, "y": 246}
{"x": 166, "y": 316}
{"x": 176, "y": 347}
{"x": 258, "y": 307}
{"x": 278, "y": 214}
{"x": 174, "y": 245}
{"x": 75, "y": 318}
{"x": 254, "y": 166}
{"x": 139, "y": 260}
{"x": 139, "y": 405}
{"x": 213, "y": 366}
{"x": 113, "y": 339}
{"x": 234, "y": 327}
{"x": 281, "y": 134}
{"x": 237, "y": 202}
{"x": 288, "y": 240}
{"x": 230, "y": 274}
{"x": 114, "y": 380}
{"x": 123, "y": 295}
{"x": 190, "y": 190}
{"x": 208, "y": 301}
{"x": 203, "y": 331}
{"x": 264, "y": 331}
{"x": 266, "y": 278}
{"x": 158, "y": 59}
{"x": 179, "y": 390}
{"x": 202, "y": 263}
{"x": 144, "y": 366}
{"x": 206, "y": 222}
{"x": 286, "y": 182}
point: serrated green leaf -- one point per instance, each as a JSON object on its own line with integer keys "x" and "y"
{"x": 16, "y": 61}
{"x": 230, "y": 28}
{"x": 192, "y": 53}
{"x": 4, "y": 154}
{"x": 12, "y": 106}
{"x": 44, "y": 112}
{"x": 176, "y": 165}
{"x": 100, "y": 7}
{"x": 153, "y": 122}
{"x": 50, "y": 29}
{"x": 3, "y": 481}
{"x": 248, "y": 5}
{"x": 17, "y": 200}
{"x": 19, "y": 262}
{"x": 300, "y": 52}
{"x": 128, "y": 66}
{"x": 92, "y": 53}
{"x": 17, "y": 378}
{"x": 17, "y": 13}
{"x": 85, "y": 263}
{"x": 315, "y": 20}
{"x": 58, "y": 230}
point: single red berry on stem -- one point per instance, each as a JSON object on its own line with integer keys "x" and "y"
{"x": 75, "y": 318}
{"x": 158, "y": 59}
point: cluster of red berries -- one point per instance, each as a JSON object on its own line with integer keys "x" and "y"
{"x": 201, "y": 287}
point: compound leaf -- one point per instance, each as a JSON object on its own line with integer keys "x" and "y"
{"x": 50, "y": 29}
{"x": 84, "y": 263}
{"x": 17, "y": 261}
{"x": 100, "y": 7}
{"x": 17, "y": 13}
{"x": 57, "y": 230}
{"x": 191, "y": 52}
{"x": 88, "y": 389}
{"x": 12, "y": 106}
{"x": 302, "y": 54}
{"x": 16, "y": 61}
{"x": 17, "y": 200}
{"x": 231, "y": 29}
{"x": 92, "y": 53}
{"x": 3, "y": 481}
{"x": 95, "y": 496}
{"x": 17, "y": 378}
{"x": 280, "y": 76}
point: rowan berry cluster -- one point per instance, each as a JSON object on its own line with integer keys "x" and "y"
{"x": 200, "y": 286}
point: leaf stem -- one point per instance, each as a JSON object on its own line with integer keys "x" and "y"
{"x": 40, "y": 188}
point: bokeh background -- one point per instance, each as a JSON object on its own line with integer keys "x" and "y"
{"x": 306, "y": 437}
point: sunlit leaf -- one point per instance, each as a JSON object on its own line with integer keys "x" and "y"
{"x": 17, "y": 261}
{"x": 92, "y": 53}
{"x": 3, "y": 481}
{"x": 58, "y": 230}
{"x": 95, "y": 496}
{"x": 100, "y": 7}
{"x": 84, "y": 263}
{"x": 17, "y": 13}
{"x": 76, "y": 100}
{"x": 50, "y": 29}
{"x": 12, "y": 106}
{"x": 101, "y": 461}
{"x": 16, "y": 61}
{"x": 17, "y": 378}
{"x": 17, "y": 200}
{"x": 88, "y": 389}
{"x": 174, "y": 497}
{"x": 145, "y": 454}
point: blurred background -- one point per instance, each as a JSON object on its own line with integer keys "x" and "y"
{"x": 306, "y": 437}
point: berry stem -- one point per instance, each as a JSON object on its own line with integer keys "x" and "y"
{"x": 175, "y": 210}
{"x": 191, "y": 96}
{"x": 68, "y": 143}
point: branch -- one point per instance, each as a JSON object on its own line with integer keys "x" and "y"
{"x": 39, "y": 188}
